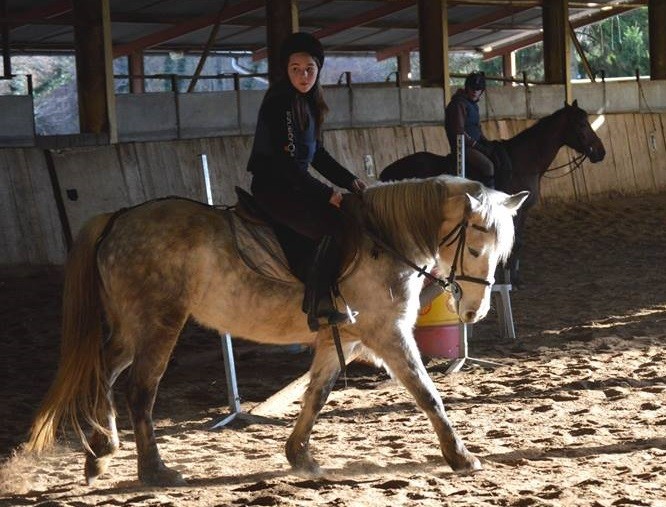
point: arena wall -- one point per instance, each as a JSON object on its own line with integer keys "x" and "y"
{"x": 48, "y": 192}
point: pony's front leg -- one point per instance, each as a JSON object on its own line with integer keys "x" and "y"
{"x": 324, "y": 372}
{"x": 402, "y": 358}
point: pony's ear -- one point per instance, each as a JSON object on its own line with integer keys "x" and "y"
{"x": 473, "y": 204}
{"x": 575, "y": 103}
{"x": 515, "y": 201}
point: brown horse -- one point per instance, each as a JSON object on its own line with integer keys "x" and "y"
{"x": 146, "y": 270}
{"x": 531, "y": 153}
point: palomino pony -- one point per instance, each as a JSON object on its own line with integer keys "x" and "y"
{"x": 146, "y": 270}
{"x": 531, "y": 152}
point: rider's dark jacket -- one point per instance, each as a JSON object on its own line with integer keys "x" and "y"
{"x": 283, "y": 149}
{"x": 462, "y": 117}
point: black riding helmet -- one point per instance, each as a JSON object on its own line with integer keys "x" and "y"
{"x": 476, "y": 81}
{"x": 301, "y": 42}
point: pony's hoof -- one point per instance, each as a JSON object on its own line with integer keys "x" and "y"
{"x": 95, "y": 467}
{"x": 469, "y": 465}
{"x": 310, "y": 468}
{"x": 162, "y": 477}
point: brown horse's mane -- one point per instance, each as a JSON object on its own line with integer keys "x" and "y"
{"x": 542, "y": 125}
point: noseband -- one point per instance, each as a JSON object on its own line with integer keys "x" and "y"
{"x": 459, "y": 234}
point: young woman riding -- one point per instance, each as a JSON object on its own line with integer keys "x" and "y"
{"x": 288, "y": 139}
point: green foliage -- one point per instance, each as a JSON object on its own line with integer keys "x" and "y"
{"x": 618, "y": 45}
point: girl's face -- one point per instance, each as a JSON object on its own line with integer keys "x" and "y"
{"x": 302, "y": 70}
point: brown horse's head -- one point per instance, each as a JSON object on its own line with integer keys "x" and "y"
{"x": 579, "y": 134}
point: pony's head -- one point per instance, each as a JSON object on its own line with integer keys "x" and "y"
{"x": 579, "y": 134}
{"x": 477, "y": 234}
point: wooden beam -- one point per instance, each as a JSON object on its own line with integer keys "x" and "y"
{"x": 556, "y": 53}
{"x": 359, "y": 20}
{"x": 6, "y": 47}
{"x": 454, "y": 29}
{"x": 434, "y": 44}
{"x": 192, "y": 25}
{"x": 657, "y": 22}
{"x": 94, "y": 68}
{"x": 508, "y": 66}
{"x": 538, "y": 37}
{"x": 135, "y": 64}
{"x": 281, "y": 21}
{"x": 581, "y": 53}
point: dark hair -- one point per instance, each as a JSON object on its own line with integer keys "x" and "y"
{"x": 476, "y": 81}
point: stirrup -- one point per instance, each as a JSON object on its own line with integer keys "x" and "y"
{"x": 331, "y": 317}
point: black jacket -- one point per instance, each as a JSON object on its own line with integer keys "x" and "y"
{"x": 283, "y": 151}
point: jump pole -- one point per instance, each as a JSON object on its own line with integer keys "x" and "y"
{"x": 458, "y": 363}
{"x": 233, "y": 396}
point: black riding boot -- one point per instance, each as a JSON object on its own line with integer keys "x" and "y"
{"x": 321, "y": 288}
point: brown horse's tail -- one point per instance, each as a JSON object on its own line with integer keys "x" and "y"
{"x": 79, "y": 388}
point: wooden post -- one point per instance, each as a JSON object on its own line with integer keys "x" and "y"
{"x": 556, "y": 53}
{"x": 94, "y": 67}
{"x": 6, "y": 48}
{"x": 434, "y": 44}
{"x": 136, "y": 71}
{"x": 404, "y": 67}
{"x": 657, "y": 21}
{"x": 508, "y": 66}
{"x": 281, "y": 21}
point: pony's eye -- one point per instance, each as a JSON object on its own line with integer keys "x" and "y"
{"x": 473, "y": 252}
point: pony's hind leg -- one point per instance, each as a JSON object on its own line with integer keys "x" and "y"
{"x": 324, "y": 372}
{"x": 103, "y": 444}
{"x": 151, "y": 357}
{"x": 405, "y": 364}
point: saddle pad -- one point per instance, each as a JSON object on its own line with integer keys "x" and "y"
{"x": 258, "y": 247}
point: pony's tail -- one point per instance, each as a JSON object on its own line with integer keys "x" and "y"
{"x": 79, "y": 388}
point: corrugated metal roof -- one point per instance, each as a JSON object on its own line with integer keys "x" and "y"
{"x": 384, "y": 26}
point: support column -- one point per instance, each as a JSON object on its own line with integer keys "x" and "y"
{"x": 137, "y": 83}
{"x": 508, "y": 66}
{"x": 6, "y": 48}
{"x": 94, "y": 67}
{"x": 657, "y": 22}
{"x": 281, "y": 20}
{"x": 556, "y": 48}
{"x": 404, "y": 67}
{"x": 434, "y": 44}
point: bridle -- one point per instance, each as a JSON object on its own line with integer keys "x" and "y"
{"x": 458, "y": 234}
{"x": 574, "y": 163}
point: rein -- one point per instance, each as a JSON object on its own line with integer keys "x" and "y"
{"x": 573, "y": 164}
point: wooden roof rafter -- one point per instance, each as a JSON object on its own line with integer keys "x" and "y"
{"x": 454, "y": 29}
{"x": 538, "y": 37}
{"x": 360, "y": 20}
{"x": 173, "y": 32}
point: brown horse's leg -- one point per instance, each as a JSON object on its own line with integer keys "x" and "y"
{"x": 323, "y": 374}
{"x": 406, "y": 365}
{"x": 150, "y": 362}
{"x": 104, "y": 444}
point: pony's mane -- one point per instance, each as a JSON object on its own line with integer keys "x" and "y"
{"x": 407, "y": 214}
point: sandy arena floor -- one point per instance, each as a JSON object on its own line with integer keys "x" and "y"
{"x": 576, "y": 414}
